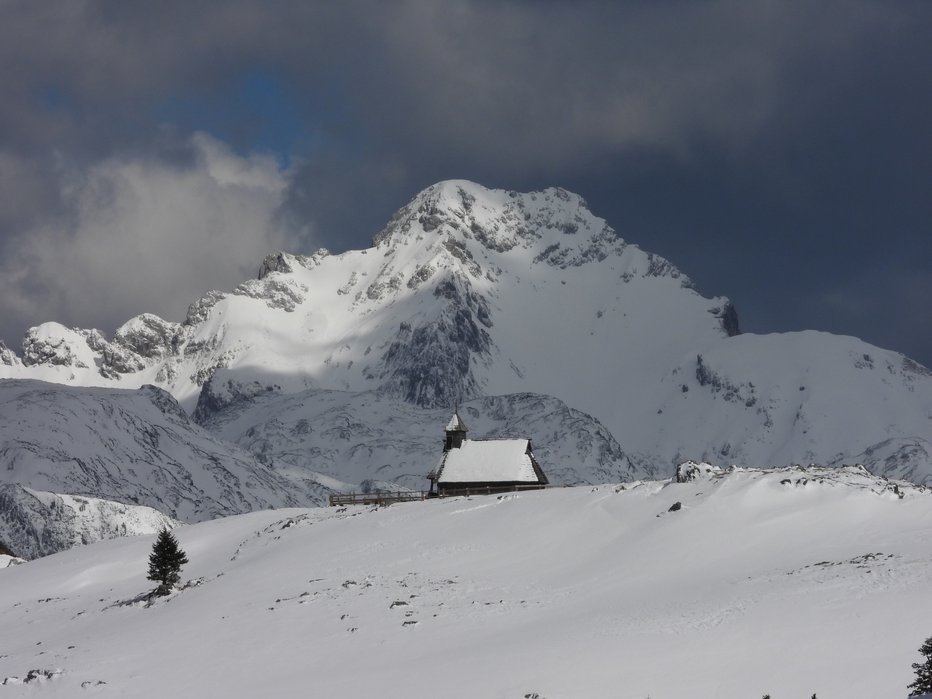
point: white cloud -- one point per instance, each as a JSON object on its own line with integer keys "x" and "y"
{"x": 144, "y": 235}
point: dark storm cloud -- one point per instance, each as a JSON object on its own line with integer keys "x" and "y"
{"x": 777, "y": 152}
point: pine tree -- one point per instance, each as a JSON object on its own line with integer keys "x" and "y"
{"x": 165, "y": 562}
{"x": 923, "y": 682}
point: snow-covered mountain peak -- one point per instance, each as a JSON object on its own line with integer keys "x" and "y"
{"x": 286, "y": 262}
{"x": 472, "y": 292}
{"x": 149, "y": 336}
{"x": 434, "y": 312}
{"x": 53, "y": 344}
{"x": 449, "y": 214}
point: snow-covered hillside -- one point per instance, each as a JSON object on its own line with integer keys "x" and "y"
{"x": 33, "y": 523}
{"x": 470, "y": 292}
{"x": 136, "y": 447}
{"x": 785, "y": 583}
{"x": 798, "y": 397}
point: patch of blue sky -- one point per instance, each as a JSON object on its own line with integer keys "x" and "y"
{"x": 53, "y": 99}
{"x": 253, "y": 113}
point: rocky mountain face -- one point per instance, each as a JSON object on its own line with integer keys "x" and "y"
{"x": 35, "y": 523}
{"x": 133, "y": 447}
{"x": 900, "y": 459}
{"x": 452, "y": 300}
{"x": 470, "y": 292}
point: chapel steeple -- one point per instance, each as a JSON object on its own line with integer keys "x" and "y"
{"x": 456, "y": 432}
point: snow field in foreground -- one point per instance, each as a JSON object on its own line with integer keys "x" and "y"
{"x": 754, "y": 586}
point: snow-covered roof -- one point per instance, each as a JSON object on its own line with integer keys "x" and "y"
{"x": 482, "y": 461}
{"x": 456, "y": 424}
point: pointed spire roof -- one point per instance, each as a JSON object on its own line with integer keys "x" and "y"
{"x": 456, "y": 423}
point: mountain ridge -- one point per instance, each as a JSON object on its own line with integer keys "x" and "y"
{"x": 470, "y": 292}
{"x": 134, "y": 447}
{"x": 438, "y": 235}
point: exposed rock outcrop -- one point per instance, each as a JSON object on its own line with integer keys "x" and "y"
{"x": 38, "y": 523}
{"x": 694, "y": 471}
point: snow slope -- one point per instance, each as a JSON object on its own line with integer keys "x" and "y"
{"x": 470, "y": 292}
{"x": 789, "y": 582}
{"x": 136, "y": 447}
{"x": 798, "y": 397}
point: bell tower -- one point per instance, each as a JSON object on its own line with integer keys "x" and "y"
{"x": 456, "y": 432}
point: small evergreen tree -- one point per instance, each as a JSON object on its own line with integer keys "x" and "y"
{"x": 923, "y": 682}
{"x": 165, "y": 562}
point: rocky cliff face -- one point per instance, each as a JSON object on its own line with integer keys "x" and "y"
{"x": 8, "y": 357}
{"x": 35, "y": 523}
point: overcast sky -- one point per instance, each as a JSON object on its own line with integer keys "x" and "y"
{"x": 779, "y": 153}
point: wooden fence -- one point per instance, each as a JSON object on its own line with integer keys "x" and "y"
{"x": 449, "y": 492}
{"x": 383, "y": 498}
{"x": 388, "y": 497}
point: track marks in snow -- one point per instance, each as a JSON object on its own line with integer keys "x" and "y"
{"x": 363, "y": 603}
{"x": 865, "y": 574}
{"x": 273, "y": 532}
{"x": 837, "y": 581}
{"x": 408, "y": 600}
{"x": 680, "y": 617}
{"x": 488, "y": 503}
